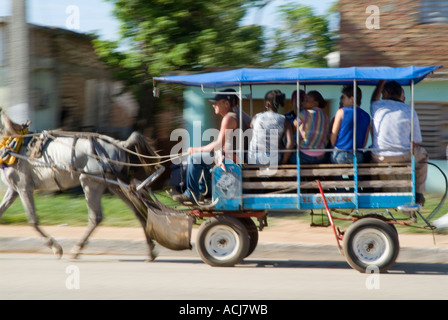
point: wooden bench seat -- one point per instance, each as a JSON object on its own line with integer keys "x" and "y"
{"x": 372, "y": 177}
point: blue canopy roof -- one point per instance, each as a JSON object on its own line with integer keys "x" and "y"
{"x": 340, "y": 76}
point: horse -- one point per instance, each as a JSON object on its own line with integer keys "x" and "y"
{"x": 85, "y": 158}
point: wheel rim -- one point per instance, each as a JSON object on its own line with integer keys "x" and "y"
{"x": 222, "y": 242}
{"x": 371, "y": 246}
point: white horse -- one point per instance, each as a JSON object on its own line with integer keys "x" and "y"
{"x": 86, "y": 158}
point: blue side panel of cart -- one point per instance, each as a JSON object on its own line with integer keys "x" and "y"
{"x": 227, "y": 188}
{"x": 334, "y": 201}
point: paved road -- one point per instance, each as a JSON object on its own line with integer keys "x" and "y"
{"x": 284, "y": 269}
{"x": 41, "y": 276}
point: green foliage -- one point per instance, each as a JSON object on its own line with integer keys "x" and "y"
{"x": 182, "y": 35}
{"x": 304, "y": 40}
{"x": 162, "y": 36}
{"x": 192, "y": 35}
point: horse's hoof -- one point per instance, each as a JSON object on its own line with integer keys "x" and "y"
{"x": 151, "y": 258}
{"x": 74, "y": 256}
{"x": 57, "y": 250}
{"x": 153, "y": 253}
{"x": 75, "y": 252}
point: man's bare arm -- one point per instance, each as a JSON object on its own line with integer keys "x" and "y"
{"x": 376, "y": 95}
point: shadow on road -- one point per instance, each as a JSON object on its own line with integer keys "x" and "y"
{"x": 398, "y": 268}
{"x": 420, "y": 268}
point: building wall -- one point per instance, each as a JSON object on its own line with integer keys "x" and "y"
{"x": 68, "y": 81}
{"x": 408, "y": 32}
{"x": 401, "y": 40}
{"x": 4, "y": 93}
{"x": 70, "y": 87}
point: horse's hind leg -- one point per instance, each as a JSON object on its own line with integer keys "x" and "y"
{"x": 28, "y": 203}
{"x": 93, "y": 192}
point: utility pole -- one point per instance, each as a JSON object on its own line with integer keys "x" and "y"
{"x": 20, "y": 109}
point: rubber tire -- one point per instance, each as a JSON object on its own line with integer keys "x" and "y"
{"x": 228, "y": 230}
{"x": 385, "y": 233}
{"x": 252, "y": 230}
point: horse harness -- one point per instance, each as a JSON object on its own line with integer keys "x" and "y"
{"x": 35, "y": 149}
{"x": 8, "y": 144}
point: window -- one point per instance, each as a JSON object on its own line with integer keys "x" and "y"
{"x": 433, "y": 117}
{"x": 434, "y": 11}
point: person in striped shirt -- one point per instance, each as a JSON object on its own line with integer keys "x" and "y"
{"x": 314, "y": 129}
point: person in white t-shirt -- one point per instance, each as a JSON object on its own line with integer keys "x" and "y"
{"x": 269, "y": 130}
{"x": 391, "y": 132}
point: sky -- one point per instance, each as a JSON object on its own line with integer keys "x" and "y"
{"x": 96, "y": 15}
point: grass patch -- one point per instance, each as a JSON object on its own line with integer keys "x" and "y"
{"x": 71, "y": 209}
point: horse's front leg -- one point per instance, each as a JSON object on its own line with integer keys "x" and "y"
{"x": 27, "y": 198}
{"x": 8, "y": 199}
{"x": 93, "y": 192}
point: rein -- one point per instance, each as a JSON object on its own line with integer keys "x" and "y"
{"x": 39, "y": 140}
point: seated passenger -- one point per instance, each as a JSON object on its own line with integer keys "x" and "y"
{"x": 342, "y": 132}
{"x": 201, "y": 158}
{"x": 231, "y": 151}
{"x": 269, "y": 129}
{"x": 391, "y": 134}
{"x": 314, "y": 129}
{"x": 236, "y": 109}
{"x": 292, "y": 115}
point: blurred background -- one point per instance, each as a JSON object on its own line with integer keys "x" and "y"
{"x": 87, "y": 65}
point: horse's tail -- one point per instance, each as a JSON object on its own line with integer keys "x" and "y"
{"x": 146, "y": 153}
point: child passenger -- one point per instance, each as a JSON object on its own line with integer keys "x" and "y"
{"x": 342, "y": 132}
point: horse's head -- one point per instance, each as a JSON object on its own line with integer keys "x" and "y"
{"x": 8, "y": 127}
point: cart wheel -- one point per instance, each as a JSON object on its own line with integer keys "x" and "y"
{"x": 222, "y": 241}
{"x": 253, "y": 234}
{"x": 371, "y": 242}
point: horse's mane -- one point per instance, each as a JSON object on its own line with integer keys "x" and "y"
{"x": 8, "y": 126}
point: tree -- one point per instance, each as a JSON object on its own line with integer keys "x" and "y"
{"x": 304, "y": 39}
{"x": 168, "y": 35}
{"x": 178, "y": 35}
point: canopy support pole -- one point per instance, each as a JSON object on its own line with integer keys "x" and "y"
{"x": 355, "y": 157}
{"x": 298, "y": 144}
{"x": 412, "y": 141}
{"x": 412, "y": 116}
{"x": 251, "y": 102}
{"x": 241, "y": 135}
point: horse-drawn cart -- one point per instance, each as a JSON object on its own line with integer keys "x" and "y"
{"x": 366, "y": 194}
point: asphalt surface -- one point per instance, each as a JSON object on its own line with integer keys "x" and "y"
{"x": 286, "y": 240}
